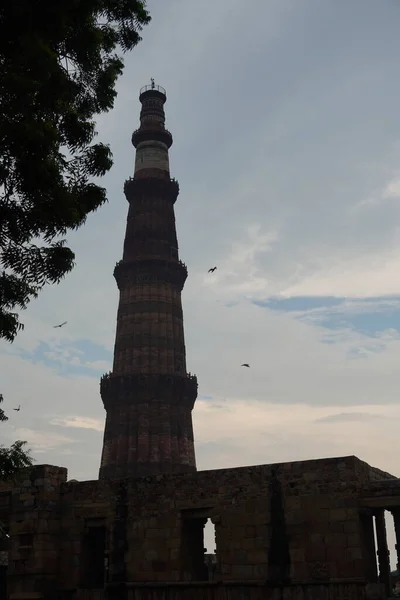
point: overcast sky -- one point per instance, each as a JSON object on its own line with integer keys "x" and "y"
{"x": 286, "y": 123}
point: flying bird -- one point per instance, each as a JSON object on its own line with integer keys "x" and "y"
{"x": 60, "y": 325}
{"x": 18, "y": 409}
{"x": 245, "y": 365}
{"x": 212, "y": 270}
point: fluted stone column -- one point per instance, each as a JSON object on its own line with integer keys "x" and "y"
{"x": 149, "y": 396}
{"x": 383, "y": 550}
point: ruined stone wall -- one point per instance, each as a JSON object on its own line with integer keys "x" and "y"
{"x": 288, "y": 522}
{"x": 34, "y": 528}
{"x": 365, "y": 474}
{"x": 295, "y": 525}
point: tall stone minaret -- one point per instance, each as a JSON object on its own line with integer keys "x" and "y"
{"x": 149, "y": 396}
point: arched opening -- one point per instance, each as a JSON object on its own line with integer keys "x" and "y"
{"x": 199, "y": 553}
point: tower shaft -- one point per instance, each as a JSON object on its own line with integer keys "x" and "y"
{"x": 149, "y": 396}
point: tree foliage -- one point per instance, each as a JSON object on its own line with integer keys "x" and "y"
{"x": 14, "y": 458}
{"x": 59, "y": 67}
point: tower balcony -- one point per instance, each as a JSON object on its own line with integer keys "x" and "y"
{"x": 136, "y": 388}
{"x": 157, "y": 91}
{"x": 149, "y": 133}
{"x": 148, "y": 271}
{"x": 137, "y": 189}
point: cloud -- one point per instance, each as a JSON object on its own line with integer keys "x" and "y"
{"x": 80, "y": 422}
{"x": 41, "y": 442}
{"x": 249, "y": 432}
{"x": 392, "y": 189}
{"x": 304, "y": 304}
{"x": 66, "y": 356}
{"x": 98, "y": 365}
{"x": 364, "y": 276}
{"x": 47, "y": 394}
{"x": 377, "y": 318}
{"x": 348, "y": 416}
{"x": 238, "y": 274}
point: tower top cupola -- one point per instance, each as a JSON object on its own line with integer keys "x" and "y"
{"x": 151, "y": 140}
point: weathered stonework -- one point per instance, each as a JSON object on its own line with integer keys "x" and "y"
{"x": 149, "y": 396}
{"x": 299, "y": 527}
{"x": 289, "y": 531}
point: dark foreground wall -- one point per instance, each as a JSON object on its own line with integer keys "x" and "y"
{"x": 330, "y": 591}
{"x": 292, "y": 526}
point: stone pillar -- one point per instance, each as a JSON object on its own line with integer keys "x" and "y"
{"x": 396, "y": 518}
{"x": 35, "y": 526}
{"x": 116, "y": 588}
{"x": 368, "y": 544}
{"x": 216, "y": 521}
{"x": 383, "y": 550}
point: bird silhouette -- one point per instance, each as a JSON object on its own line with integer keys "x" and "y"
{"x": 60, "y": 325}
{"x": 212, "y": 270}
{"x": 18, "y": 409}
{"x": 245, "y": 365}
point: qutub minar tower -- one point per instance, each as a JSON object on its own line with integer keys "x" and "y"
{"x": 296, "y": 530}
{"x": 149, "y": 396}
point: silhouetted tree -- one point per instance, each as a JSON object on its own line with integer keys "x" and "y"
{"x": 14, "y": 458}
{"x": 59, "y": 67}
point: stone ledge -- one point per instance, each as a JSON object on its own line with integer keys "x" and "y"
{"x": 137, "y": 188}
{"x": 244, "y": 583}
{"x": 150, "y": 271}
{"x": 26, "y": 596}
{"x": 169, "y": 388}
